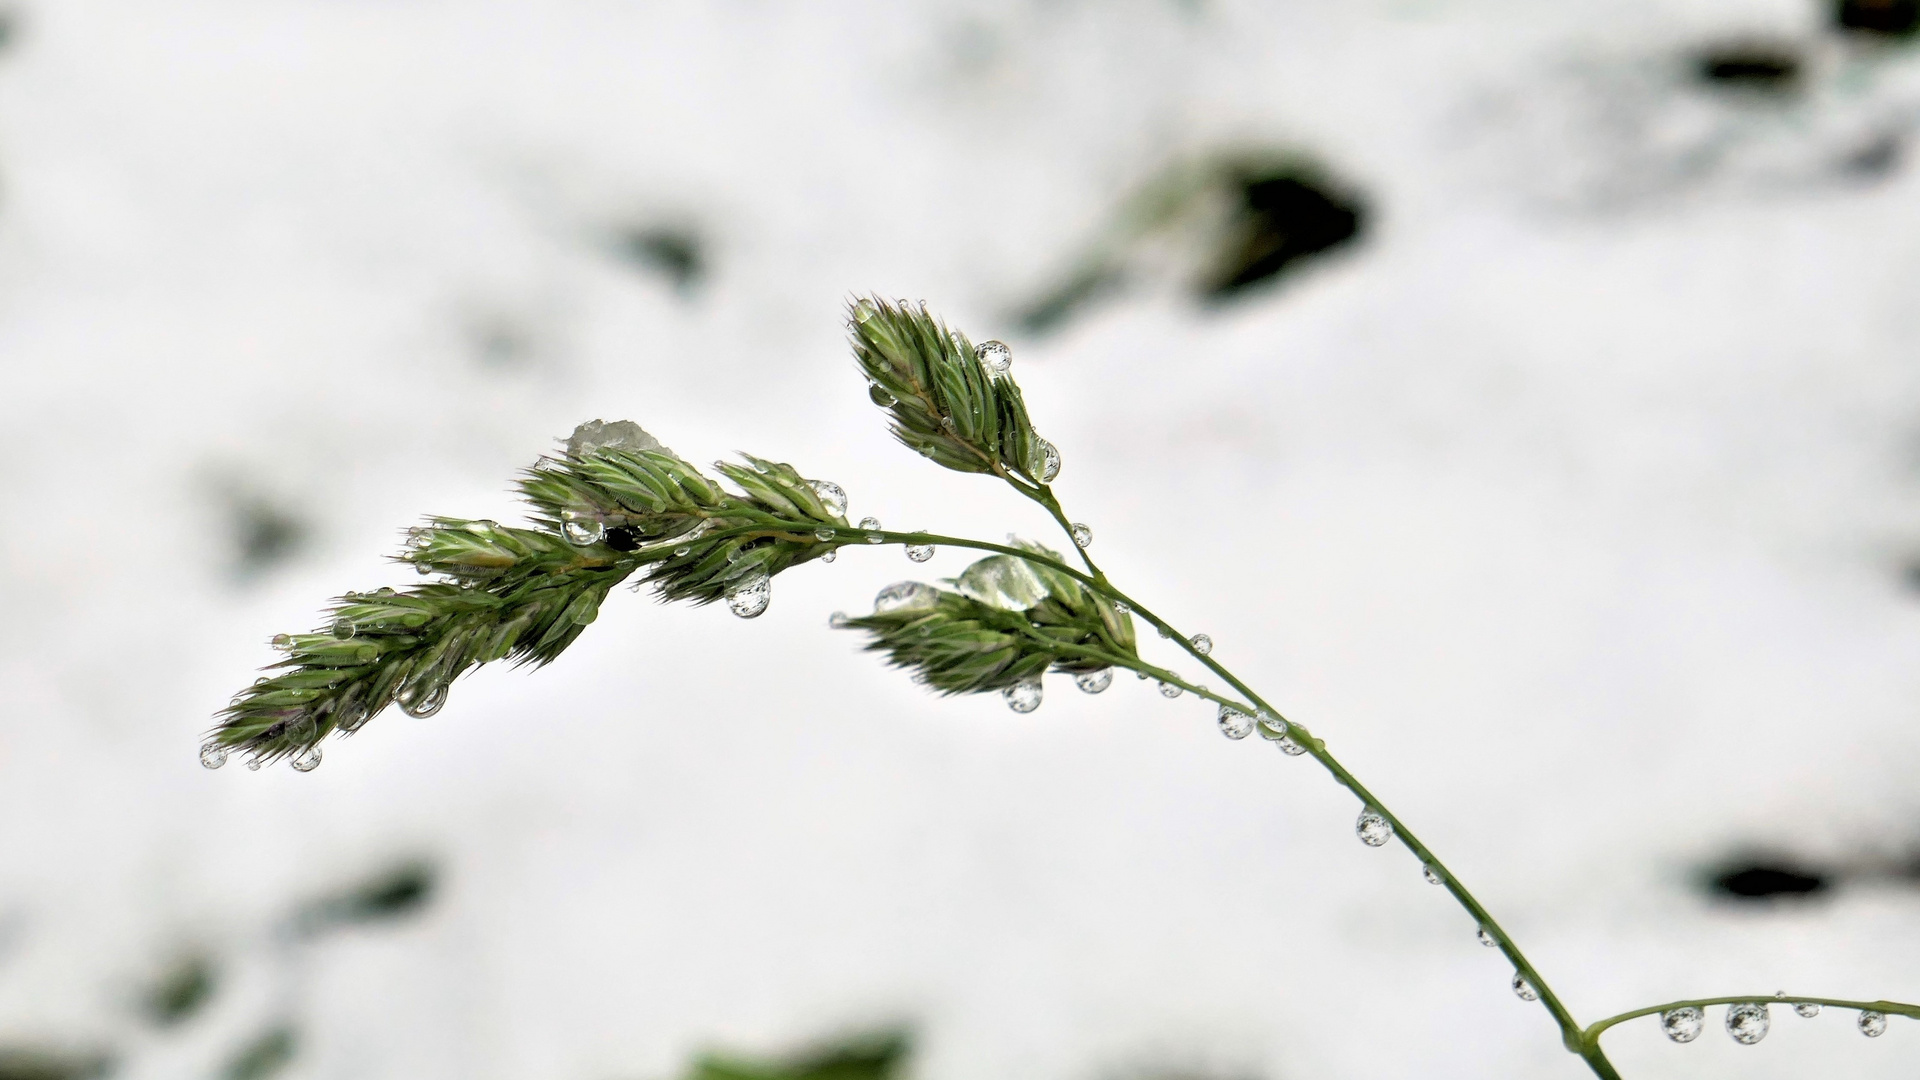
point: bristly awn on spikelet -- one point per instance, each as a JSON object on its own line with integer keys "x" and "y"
{"x": 617, "y": 503}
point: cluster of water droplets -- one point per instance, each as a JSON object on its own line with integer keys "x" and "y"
{"x": 748, "y": 597}
{"x": 1749, "y": 1021}
{"x": 1024, "y": 696}
{"x": 1234, "y": 724}
{"x": 1373, "y": 828}
{"x": 995, "y": 356}
{"x": 1093, "y": 682}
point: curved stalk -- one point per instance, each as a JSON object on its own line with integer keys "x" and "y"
{"x": 1594, "y": 1030}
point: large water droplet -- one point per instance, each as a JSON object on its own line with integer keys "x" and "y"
{"x": 1023, "y": 697}
{"x": 823, "y": 534}
{"x": 1082, "y": 536}
{"x": 1433, "y": 876}
{"x": 1274, "y": 725}
{"x": 254, "y": 763}
{"x": 306, "y": 759}
{"x": 366, "y": 654}
{"x": 1747, "y": 1022}
{"x": 482, "y": 527}
{"x": 213, "y": 755}
{"x": 343, "y": 629}
{"x": 1523, "y": 989}
{"x": 1373, "y": 828}
{"x": 1683, "y": 1024}
{"x": 864, "y": 311}
{"x": 1485, "y": 937}
{"x": 748, "y": 597}
{"x": 1289, "y": 747}
{"x": 1807, "y": 1009}
{"x": 1045, "y": 464}
{"x": 350, "y": 718}
{"x": 879, "y": 396}
{"x": 919, "y": 552}
{"x": 283, "y": 642}
{"x": 829, "y": 556}
{"x": 1234, "y": 724}
{"x": 582, "y": 527}
{"x": 1169, "y": 690}
{"x": 905, "y": 596}
{"x": 839, "y": 620}
{"x": 832, "y": 496}
{"x": 871, "y": 524}
{"x": 425, "y": 704}
{"x": 1093, "y": 682}
{"x": 1872, "y": 1024}
{"x": 995, "y": 355}
{"x": 1201, "y": 643}
{"x": 681, "y": 551}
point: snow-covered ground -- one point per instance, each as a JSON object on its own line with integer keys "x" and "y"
{"x": 1572, "y": 505}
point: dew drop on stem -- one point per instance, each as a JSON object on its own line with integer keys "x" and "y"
{"x": 1807, "y": 1009}
{"x": 424, "y": 703}
{"x": 1045, "y": 464}
{"x": 1373, "y": 828}
{"x": 1202, "y": 644}
{"x": 1872, "y": 1024}
{"x": 212, "y": 755}
{"x": 350, "y": 718}
{"x": 831, "y": 495}
{"x": 1023, "y": 697}
{"x": 1289, "y": 747}
{"x": 582, "y": 527}
{"x": 1523, "y": 989}
{"x": 1170, "y": 690}
{"x": 681, "y": 551}
{"x": 283, "y": 642}
{"x": 1682, "y": 1025}
{"x": 1485, "y": 937}
{"x": 878, "y": 394}
{"x": 748, "y": 597}
{"x": 1272, "y": 726}
{"x": 871, "y": 524}
{"x": 829, "y": 556}
{"x": 343, "y": 629}
{"x": 1234, "y": 724}
{"x": 995, "y": 355}
{"x": 1747, "y": 1022}
{"x": 306, "y": 759}
{"x": 1082, "y": 536}
{"x": 823, "y": 534}
{"x": 919, "y": 552}
{"x": 1093, "y": 682}
{"x": 254, "y": 763}
{"x": 1433, "y": 876}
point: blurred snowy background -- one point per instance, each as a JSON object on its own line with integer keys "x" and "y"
{"x": 1527, "y": 395}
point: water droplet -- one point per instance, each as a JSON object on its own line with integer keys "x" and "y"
{"x": 871, "y": 524}
{"x": 301, "y": 729}
{"x": 681, "y": 551}
{"x": 1523, "y": 989}
{"x": 995, "y": 355}
{"x": 919, "y": 552}
{"x": 423, "y": 568}
{"x": 1433, "y": 876}
{"x": 1372, "y": 828}
{"x": 421, "y": 539}
{"x": 1747, "y": 1022}
{"x": 482, "y": 526}
{"x": 1045, "y": 463}
{"x": 1485, "y": 937}
{"x": 831, "y": 495}
{"x": 1683, "y": 1024}
{"x": 748, "y": 597}
{"x": 1082, "y": 536}
{"x": 905, "y": 596}
{"x": 1275, "y": 725}
{"x": 350, "y": 718}
{"x": 1872, "y": 1024}
{"x": 343, "y": 629}
{"x": 384, "y": 590}
{"x": 585, "y": 616}
{"x": 839, "y": 620}
{"x": 1121, "y": 607}
{"x": 213, "y": 755}
{"x": 425, "y": 704}
{"x": 1169, "y": 690}
{"x": 830, "y": 555}
{"x": 1289, "y": 747}
{"x": 254, "y": 763}
{"x": 582, "y": 527}
{"x": 366, "y": 654}
{"x": 1094, "y": 682}
{"x": 879, "y": 396}
{"x": 1234, "y": 724}
{"x": 283, "y": 642}
{"x": 305, "y": 759}
{"x": 1023, "y": 697}
{"x": 1808, "y": 1009}
{"x": 864, "y": 311}
{"x": 823, "y": 534}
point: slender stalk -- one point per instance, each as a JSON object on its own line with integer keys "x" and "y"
{"x": 1594, "y": 1030}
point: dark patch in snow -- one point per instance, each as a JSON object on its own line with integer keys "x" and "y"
{"x": 266, "y": 1055}
{"x": 1283, "y": 217}
{"x": 1752, "y": 65}
{"x": 396, "y": 892}
{"x": 676, "y": 254}
{"x": 180, "y": 991}
{"x": 1052, "y": 309}
{"x": 1767, "y": 880}
{"x": 1895, "y": 18}
{"x": 873, "y": 1057}
{"x": 264, "y": 534}
{"x": 45, "y": 1063}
